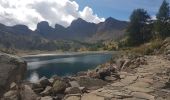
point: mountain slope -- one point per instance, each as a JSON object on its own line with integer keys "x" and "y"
{"x": 110, "y": 29}
{"x": 46, "y": 37}
{"x": 82, "y": 30}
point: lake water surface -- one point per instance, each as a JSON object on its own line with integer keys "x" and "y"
{"x": 63, "y": 65}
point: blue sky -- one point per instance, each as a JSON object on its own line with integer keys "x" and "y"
{"x": 63, "y": 12}
{"x": 120, "y": 9}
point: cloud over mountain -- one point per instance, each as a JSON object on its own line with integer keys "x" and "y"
{"x": 30, "y": 12}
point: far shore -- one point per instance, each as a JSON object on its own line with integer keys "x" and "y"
{"x": 41, "y": 54}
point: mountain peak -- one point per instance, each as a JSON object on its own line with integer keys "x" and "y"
{"x": 78, "y": 21}
{"x": 42, "y": 24}
{"x": 111, "y": 19}
{"x": 44, "y": 28}
{"x": 23, "y": 27}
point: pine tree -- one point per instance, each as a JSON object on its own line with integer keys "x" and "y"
{"x": 137, "y": 29}
{"x": 162, "y": 25}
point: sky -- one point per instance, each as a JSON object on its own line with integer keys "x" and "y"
{"x": 63, "y": 12}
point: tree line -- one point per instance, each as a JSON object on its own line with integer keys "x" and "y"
{"x": 142, "y": 28}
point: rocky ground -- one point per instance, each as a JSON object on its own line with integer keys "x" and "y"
{"x": 146, "y": 82}
{"x": 133, "y": 78}
{"x": 130, "y": 77}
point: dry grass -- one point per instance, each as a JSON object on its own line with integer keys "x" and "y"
{"x": 147, "y": 48}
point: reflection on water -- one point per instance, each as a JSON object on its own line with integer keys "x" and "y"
{"x": 63, "y": 65}
{"x": 34, "y": 77}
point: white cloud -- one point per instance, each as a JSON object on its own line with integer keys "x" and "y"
{"x": 30, "y": 12}
{"x": 153, "y": 17}
{"x": 87, "y": 14}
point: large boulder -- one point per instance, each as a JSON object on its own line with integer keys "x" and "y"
{"x": 11, "y": 95}
{"x": 27, "y": 93}
{"x": 44, "y": 82}
{"x": 59, "y": 86}
{"x": 102, "y": 71}
{"x": 12, "y": 69}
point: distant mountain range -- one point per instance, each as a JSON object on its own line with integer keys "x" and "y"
{"x": 82, "y": 30}
{"x": 79, "y": 30}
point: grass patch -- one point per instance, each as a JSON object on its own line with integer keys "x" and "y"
{"x": 146, "y": 49}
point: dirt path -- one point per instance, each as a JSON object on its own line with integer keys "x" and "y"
{"x": 147, "y": 83}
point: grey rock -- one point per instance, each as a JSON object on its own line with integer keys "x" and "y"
{"x": 11, "y": 95}
{"x": 90, "y": 83}
{"x": 46, "y": 98}
{"x": 59, "y": 86}
{"x": 110, "y": 78}
{"x": 27, "y": 93}
{"x": 47, "y": 91}
{"x": 12, "y": 69}
{"x": 120, "y": 63}
{"x": 44, "y": 82}
{"x": 143, "y": 95}
{"x": 83, "y": 89}
{"x": 72, "y": 90}
{"x": 74, "y": 84}
{"x": 73, "y": 98}
{"x": 92, "y": 97}
{"x": 38, "y": 90}
{"x": 129, "y": 80}
{"x": 13, "y": 86}
{"x": 139, "y": 89}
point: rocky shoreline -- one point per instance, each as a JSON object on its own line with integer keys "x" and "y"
{"x": 61, "y": 88}
{"x": 130, "y": 77}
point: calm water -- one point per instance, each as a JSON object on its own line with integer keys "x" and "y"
{"x": 63, "y": 65}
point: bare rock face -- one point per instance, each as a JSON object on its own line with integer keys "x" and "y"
{"x": 27, "y": 93}
{"x": 12, "y": 69}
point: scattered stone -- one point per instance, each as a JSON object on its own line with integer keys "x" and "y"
{"x": 36, "y": 85}
{"x": 83, "y": 89}
{"x": 118, "y": 84}
{"x": 11, "y": 95}
{"x": 13, "y": 86}
{"x": 51, "y": 80}
{"x": 126, "y": 64}
{"x": 74, "y": 84}
{"x": 141, "y": 84}
{"x": 139, "y": 89}
{"x": 129, "y": 80}
{"x": 38, "y": 90}
{"x": 44, "y": 82}
{"x": 90, "y": 83}
{"x": 120, "y": 63}
{"x": 73, "y": 98}
{"x": 103, "y": 72}
{"x": 47, "y": 91}
{"x": 110, "y": 78}
{"x": 46, "y": 98}
{"x": 59, "y": 86}
{"x": 143, "y": 95}
{"x": 55, "y": 77}
{"x": 73, "y": 90}
{"x": 122, "y": 76}
{"x": 91, "y": 97}
{"x": 147, "y": 80}
{"x": 27, "y": 93}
